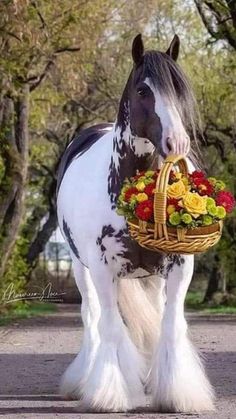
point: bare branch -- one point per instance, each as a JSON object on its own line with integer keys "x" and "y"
{"x": 13, "y": 35}
{"x": 218, "y": 24}
{"x": 51, "y": 135}
{"x": 49, "y": 171}
{"x": 87, "y": 109}
{"x": 204, "y": 18}
{"x": 67, "y": 49}
{"x": 44, "y": 25}
{"x": 41, "y": 77}
{"x": 38, "y": 79}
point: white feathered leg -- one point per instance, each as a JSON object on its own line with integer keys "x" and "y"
{"x": 178, "y": 381}
{"x": 115, "y": 381}
{"x": 76, "y": 374}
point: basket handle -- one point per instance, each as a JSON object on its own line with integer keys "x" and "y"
{"x": 160, "y": 196}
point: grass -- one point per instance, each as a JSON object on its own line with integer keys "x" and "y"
{"x": 26, "y": 311}
{"x": 219, "y": 310}
{"x": 194, "y": 302}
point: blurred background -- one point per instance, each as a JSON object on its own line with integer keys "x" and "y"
{"x": 63, "y": 65}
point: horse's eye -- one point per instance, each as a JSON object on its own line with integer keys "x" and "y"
{"x": 142, "y": 91}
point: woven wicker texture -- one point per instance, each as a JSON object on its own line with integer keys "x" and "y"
{"x": 160, "y": 237}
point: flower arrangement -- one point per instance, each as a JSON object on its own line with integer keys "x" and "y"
{"x": 193, "y": 200}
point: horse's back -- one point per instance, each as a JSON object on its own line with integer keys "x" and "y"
{"x": 80, "y": 143}
{"x": 82, "y": 199}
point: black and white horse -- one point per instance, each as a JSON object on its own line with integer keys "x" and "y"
{"x": 135, "y": 334}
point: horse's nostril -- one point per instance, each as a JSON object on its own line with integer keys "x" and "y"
{"x": 168, "y": 143}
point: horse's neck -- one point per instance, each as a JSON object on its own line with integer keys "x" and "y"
{"x": 126, "y": 159}
{"x": 130, "y": 153}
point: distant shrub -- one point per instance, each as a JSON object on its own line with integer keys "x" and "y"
{"x": 14, "y": 279}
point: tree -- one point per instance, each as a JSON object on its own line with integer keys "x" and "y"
{"x": 14, "y": 131}
{"x": 219, "y": 18}
{"x": 34, "y": 37}
{"x": 20, "y": 56}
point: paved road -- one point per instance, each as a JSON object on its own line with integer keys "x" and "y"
{"x": 35, "y": 352}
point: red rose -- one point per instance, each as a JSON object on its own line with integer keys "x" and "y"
{"x": 225, "y": 199}
{"x": 175, "y": 202}
{"x": 204, "y": 187}
{"x": 197, "y": 174}
{"x": 131, "y": 191}
{"x": 197, "y": 181}
{"x": 144, "y": 210}
{"x": 149, "y": 189}
{"x": 197, "y": 177}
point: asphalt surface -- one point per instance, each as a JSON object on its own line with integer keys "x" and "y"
{"x": 35, "y": 352}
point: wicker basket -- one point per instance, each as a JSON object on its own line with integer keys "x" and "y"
{"x": 161, "y": 238}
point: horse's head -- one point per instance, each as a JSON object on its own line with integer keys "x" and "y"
{"x": 158, "y": 99}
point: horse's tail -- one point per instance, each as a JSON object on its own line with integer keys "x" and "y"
{"x": 141, "y": 305}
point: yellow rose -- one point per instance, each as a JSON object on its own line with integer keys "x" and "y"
{"x": 170, "y": 209}
{"x": 178, "y": 175}
{"x": 140, "y": 186}
{"x": 177, "y": 190}
{"x": 186, "y": 182}
{"x": 141, "y": 197}
{"x": 195, "y": 204}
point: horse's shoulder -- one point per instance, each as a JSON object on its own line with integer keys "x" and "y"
{"x": 79, "y": 144}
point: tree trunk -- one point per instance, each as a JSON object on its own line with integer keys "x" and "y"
{"x": 37, "y": 233}
{"x": 14, "y": 147}
{"x": 42, "y": 238}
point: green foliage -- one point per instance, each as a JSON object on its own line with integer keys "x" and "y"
{"x": 221, "y": 309}
{"x": 194, "y": 299}
{"x": 27, "y": 310}
{"x": 15, "y": 275}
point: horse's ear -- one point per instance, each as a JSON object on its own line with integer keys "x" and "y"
{"x": 173, "y": 50}
{"x": 137, "y": 49}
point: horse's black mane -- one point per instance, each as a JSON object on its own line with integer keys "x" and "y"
{"x": 166, "y": 75}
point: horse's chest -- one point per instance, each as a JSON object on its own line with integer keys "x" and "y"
{"x": 124, "y": 255}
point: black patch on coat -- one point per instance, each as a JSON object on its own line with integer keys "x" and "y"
{"x": 108, "y": 231}
{"x": 169, "y": 263}
{"x": 134, "y": 255}
{"x": 70, "y": 241}
{"x": 80, "y": 143}
{"x": 128, "y": 164}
